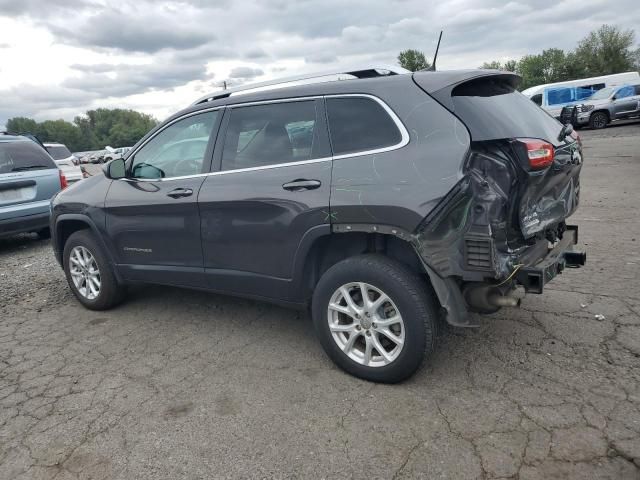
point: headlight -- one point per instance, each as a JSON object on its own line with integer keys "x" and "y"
{"x": 586, "y": 108}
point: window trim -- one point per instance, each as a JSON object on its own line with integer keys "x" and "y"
{"x": 225, "y": 123}
{"x": 213, "y": 135}
{"x": 404, "y": 134}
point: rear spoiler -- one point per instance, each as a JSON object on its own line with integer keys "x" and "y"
{"x": 440, "y": 85}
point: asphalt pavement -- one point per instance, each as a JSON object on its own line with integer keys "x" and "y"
{"x": 182, "y": 384}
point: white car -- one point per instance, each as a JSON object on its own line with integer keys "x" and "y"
{"x": 113, "y": 153}
{"x": 65, "y": 160}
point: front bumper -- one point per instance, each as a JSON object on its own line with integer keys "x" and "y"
{"x": 583, "y": 118}
{"x": 534, "y": 277}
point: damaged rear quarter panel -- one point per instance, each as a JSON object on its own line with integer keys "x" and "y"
{"x": 400, "y": 187}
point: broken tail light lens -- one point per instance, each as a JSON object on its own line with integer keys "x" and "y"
{"x": 540, "y": 153}
{"x": 63, "y": 180}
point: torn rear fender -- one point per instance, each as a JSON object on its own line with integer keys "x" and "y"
{"x": 501, "y": 214}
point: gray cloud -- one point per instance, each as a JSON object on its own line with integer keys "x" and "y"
{"x": 126, "y": 79}
{"x": 245, "y": 73}
{"x": 179, "y": 40}
{"x": 149, "y": 32}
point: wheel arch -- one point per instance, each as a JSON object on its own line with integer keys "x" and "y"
{"x": 324, "y": 248}
{"x": 67, "y": 224}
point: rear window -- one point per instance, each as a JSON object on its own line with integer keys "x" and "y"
{"x": 493, "y": 109}
{"x": 59, "y": 152}
{"x": 23, "y": 155}
{"x": 359, "y": 124}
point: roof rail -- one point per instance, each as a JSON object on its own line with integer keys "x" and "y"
{"x": 306, "y": 79}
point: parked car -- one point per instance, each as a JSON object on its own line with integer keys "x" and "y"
{"x": 552, "y": 97}
{"x": 65, "y": 160}
{"x": 28, "y": 179}
{"x": 605, "y": 106}
{"x": 114, "y": 153}
{"x": 406, "y": 197}
{"x": 97, "y": 156}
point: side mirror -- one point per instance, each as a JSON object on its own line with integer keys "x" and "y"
{"x": 115, "y": 169}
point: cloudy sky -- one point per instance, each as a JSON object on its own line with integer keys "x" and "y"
{"x": 59, "y": 58}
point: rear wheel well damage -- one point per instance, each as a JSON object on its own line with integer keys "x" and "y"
{"x": 331, "y": 249}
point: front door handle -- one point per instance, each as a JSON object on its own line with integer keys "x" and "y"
{"x": 302, "y": 184}
{"x": 180, "y": 192}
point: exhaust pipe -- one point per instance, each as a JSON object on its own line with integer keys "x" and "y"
{"x": 486, "y": 298}
{"x": 498, "y": 300}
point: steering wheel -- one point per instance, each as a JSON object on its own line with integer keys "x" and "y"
{"x": 188, "y": 166}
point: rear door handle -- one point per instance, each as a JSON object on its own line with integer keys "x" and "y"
{"x": 180, "y": 192}
{"x": 302, "y": 184}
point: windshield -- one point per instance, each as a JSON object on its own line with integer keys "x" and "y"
{"x": 23, "y": 155}
{"x": 602, "y": 94}
{"x": 59, "y": 152}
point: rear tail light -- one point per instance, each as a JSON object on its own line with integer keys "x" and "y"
{"x": 63, "y": 180}
{"x": 540, "y": 153}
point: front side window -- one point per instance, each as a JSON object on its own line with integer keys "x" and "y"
{"x": 176, "y": 151}
{"x": 261, "y": 135}
{"x": 624, "y": 92}
{"x": 359, "y": 124}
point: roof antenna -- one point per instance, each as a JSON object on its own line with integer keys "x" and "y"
{"x": 432, "y": 68}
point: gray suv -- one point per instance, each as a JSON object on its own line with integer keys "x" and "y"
{"x": 382, "y": 201}
{"x": 611, "y": 103}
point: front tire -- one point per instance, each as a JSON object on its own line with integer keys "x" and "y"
{"x": 375, "y": 318}
{"x": 598, "y": 120}
{"x": 89, "y": 273}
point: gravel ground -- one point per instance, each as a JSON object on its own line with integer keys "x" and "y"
{"x": 180, "y": 384}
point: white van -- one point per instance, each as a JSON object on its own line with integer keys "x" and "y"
{"x": 553, "y": 96}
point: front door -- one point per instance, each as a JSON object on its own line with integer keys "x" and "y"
{"x": 272, "y": 189}
{"x": 625, "y": 102}
{"x": 152, "y": 215}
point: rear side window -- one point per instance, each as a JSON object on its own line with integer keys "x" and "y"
{"x": 493, "y": 109}
{"x": 359, "y": 124}
{"x": 537, "y": 99}
{"x": 58, "y": 153}
{"x": 22, "y": 156}
{"x": 270, "y": 134}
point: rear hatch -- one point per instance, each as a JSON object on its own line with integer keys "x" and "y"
{"x": 542, "y": 186}
{"x": 28, "y": 179}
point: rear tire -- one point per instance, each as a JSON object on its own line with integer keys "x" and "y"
{"x": 403, "y": 324}
{"x": 598, "y": 120}
{"x": 89, "y": 273}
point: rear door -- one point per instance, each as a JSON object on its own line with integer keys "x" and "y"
{"x": 272, "y": 188}
{"x": 28, "y": 179}
{"x": 152, "y": 214}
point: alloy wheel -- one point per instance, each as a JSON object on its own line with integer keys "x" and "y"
{"x": 84, "y": 272}
{"x": 366, "y": 324}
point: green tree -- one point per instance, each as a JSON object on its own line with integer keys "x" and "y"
{"x": 413, "y": 60}
{"x": 22, "y": 125}
{"x": 508, "y": 66}
{"x": 93, "y": 131}
{"x": 606, "y": 51}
